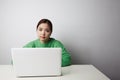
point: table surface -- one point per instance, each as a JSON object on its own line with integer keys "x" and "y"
{"x": 73, "y": 72}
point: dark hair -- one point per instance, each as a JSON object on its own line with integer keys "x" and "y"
{"x": 45, "y": 21}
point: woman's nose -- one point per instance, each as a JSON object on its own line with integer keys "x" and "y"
{"x": 43, "y": 32}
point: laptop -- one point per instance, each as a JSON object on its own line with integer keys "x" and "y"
{"x": 36, "y": 61}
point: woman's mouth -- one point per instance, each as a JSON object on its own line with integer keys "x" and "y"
{"x": 42, "y": 36}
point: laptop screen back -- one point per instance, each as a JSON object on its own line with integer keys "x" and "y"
{"x": 37, "y": 61}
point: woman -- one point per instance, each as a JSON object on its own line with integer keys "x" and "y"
{"x": 44, "y": 30}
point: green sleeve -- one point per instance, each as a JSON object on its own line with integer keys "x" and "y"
{"x": 29, "y": 45}
{"x": 66, "y": 58}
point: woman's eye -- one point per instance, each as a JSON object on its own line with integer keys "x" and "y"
{"x": 47, "y": 30}
{"x": 40, "y": 29}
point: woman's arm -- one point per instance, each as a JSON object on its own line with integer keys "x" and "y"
{"x": 66, "y": 57}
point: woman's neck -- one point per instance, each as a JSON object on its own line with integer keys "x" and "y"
{"x": 43, "y": 42}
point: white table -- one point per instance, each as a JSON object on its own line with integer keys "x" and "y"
{"x": 73, "y": 72}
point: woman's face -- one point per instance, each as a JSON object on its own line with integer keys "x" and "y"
{"x": 43, "y": 32}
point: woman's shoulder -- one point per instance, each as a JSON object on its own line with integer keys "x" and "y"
{"x": 31, "y": 43}
{"x": 56, "y": 42}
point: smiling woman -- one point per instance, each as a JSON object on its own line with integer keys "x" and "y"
{"x": 44, "y": 30}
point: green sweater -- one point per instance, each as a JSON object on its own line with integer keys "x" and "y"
{"x": 52, "y": 43}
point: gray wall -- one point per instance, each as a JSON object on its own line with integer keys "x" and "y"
{"x": 89, "y": 29}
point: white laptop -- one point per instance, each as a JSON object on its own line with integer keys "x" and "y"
{"x": 36, "y": 61}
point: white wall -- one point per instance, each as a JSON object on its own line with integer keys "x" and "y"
{"x": 89, "y": 29}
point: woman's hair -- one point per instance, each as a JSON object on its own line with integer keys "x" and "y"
{"x": 45, "y": 21}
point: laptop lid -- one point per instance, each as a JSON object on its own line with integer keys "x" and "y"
{"x": 36, "y": 61}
